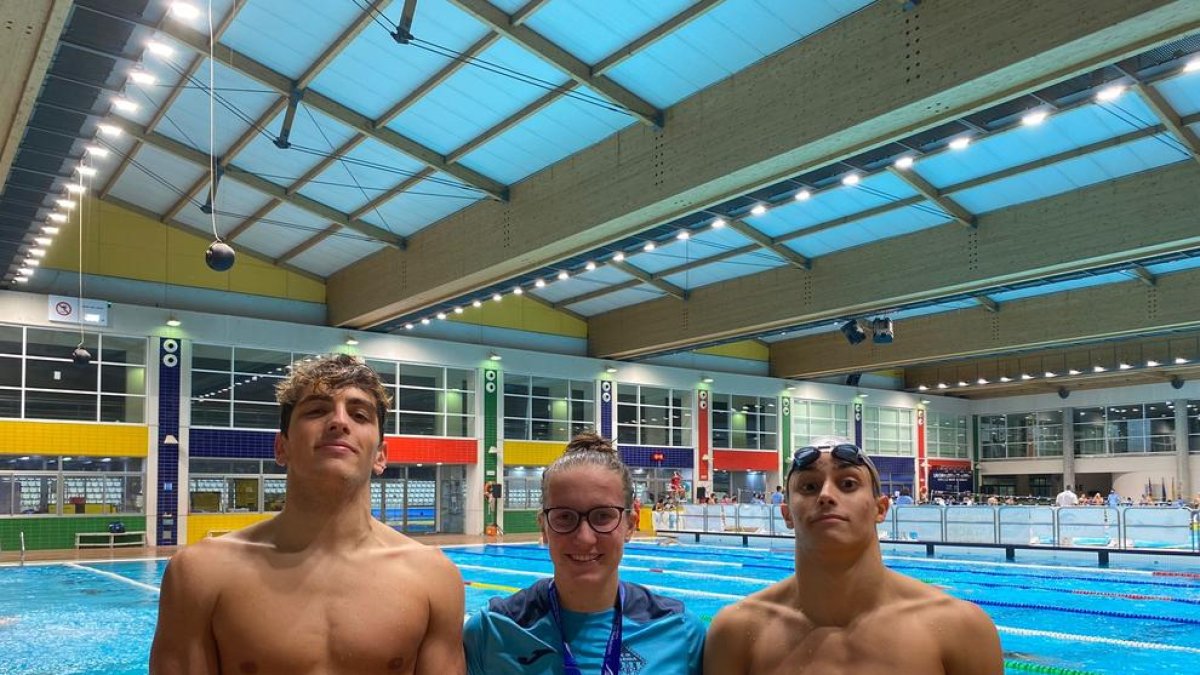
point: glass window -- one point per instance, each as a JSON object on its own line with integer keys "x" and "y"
{"x": 888, "y": 431}
{"x": 744, "y": 422}
{"x": 654, "y": 416}
{"x": 1125, "y": 429}
{"x": 815, "y": 419}
{"x": 1027, "y": 434}
{"x": 11, "y": 340}
{"x": 547, "y": 409}
{"x": 522, "y": 488}
{"x": 233, "y": 485}
{"x": 946, "y": 435}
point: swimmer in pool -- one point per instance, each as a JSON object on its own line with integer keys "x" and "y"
{"x": 323, "y": 587}
{"x": 843, "y": 611}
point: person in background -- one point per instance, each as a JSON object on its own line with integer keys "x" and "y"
{"x": 1066, "y": 498}
{"x": 905, "y": 498}
{"x": 843, "y": 611}
{"x": 322, "y": 587}
{"x": 584, "y": 619}
{"x": 1097, "y": 499}
{"x": 993, "y": 500}
{"x": 777, "y": 495}
{"x": 1114, "y": 499}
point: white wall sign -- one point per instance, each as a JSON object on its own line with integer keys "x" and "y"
{"x": 64, "y": 309}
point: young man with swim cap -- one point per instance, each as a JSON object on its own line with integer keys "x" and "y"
{"x": 843, "y": 611}
{"x": 323, "y": 587}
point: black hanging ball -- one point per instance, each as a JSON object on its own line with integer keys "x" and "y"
{"x": 81, "y": 356}
{"x": 219, "y": 256}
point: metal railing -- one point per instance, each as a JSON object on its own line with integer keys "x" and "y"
{"x": 1121, "y": 528}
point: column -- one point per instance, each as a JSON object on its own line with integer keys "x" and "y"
{"x": 1068, "y": 416}
{"x": 1183, "y": 469}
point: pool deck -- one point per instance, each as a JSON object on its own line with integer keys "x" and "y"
{"x": 76, "y": 555}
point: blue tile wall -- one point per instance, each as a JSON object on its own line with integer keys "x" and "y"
{"x": 642, "y": 456}
{"x": 232, "y": 444}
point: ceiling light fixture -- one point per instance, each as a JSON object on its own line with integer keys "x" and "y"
{"x": 495, "y": 356}
{"x": 184, "y": 11}
{"x": 441, "y": 316}
{"x": 176, "y": 323}
{"x": 76, "y": 188}
{"x": 517, "y": 290}
{"x": 1192, "y": 66}
{"x": 476, "y": 304}
{"x": 851, "y": 179}
{"x": 619, "y": 256}
{"x": 960, "y": 143}
{"x": 1032, "y": 119}
{"x": 758, "y": 209}
{"x": 1005, "y": 378}
{"x": 942, "y": 385}
{"x": 458, "y": 310}
{"x": 718, "y": 223}
{"x": 683, "y": 235}
{"x": 408, "y": 326}
{"x": 57, "y": 217}
{"x": 85, "y": 171}
{"x": 109, "y": 130}
{"x": 922, "y": 387}
{"x": 706, "y": 379}
{"x": 540, "y": 283}
{"x": 648, "y": 247}
{"x": 905, "y": 162}
{"x": 37, "y": 252}
{"x": 497, "y": 297}
{"x": 590, "y": 266}
{"x": 97, "y": 151}
{"x": 1110, "y": 93}
{"x": 1179, "y": 360}
{"x": 1026, "y": 376}
{"x": 43, "y": 241}
{"x": 1152, "y": 364}
{"x": 1050, "y": 373}
{"x": 962, "y": 383}
{"x": 124, "y": 105}
{"x": 564, "y": 275}
{"x": 1099, "y": 369}
{"x": 610, "y": 369}
{"x": 1072, "y": 371}
{"x": 1123, "y": 366}
{"x": 65, "y": 203}
{"x": 142, "y": 77}
{"x": 981, "y": 381}
{"x": 425, "y": 321}
{"x": 159, "y": 48}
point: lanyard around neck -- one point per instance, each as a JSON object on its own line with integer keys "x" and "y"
{"x": 612, "y": 651}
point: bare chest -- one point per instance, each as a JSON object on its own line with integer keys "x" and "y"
{"x": 320, "y": 620}
{"x": 864, "y": 650}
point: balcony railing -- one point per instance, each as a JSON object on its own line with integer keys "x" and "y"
{"x": 1121, "y": 528}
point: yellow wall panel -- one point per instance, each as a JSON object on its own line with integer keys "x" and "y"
{"x": 745, "y": 349}
{"x": 521, "y": 313}
{"x": 199, "y": 525}
{"x": 71, "y": 438}
{"x": 532, "y": 453}
{"x": 120, "y": 243}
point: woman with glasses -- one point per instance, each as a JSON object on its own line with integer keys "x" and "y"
{"x": 584, "y": 619}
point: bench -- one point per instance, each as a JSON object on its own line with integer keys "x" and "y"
{"x": 109, "y": 539}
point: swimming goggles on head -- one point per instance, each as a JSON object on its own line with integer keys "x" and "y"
{"x": 843, "y": 452}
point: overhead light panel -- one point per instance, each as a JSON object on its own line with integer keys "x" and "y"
{"x": 540, "y": 283}
{"x": 32, "y": 262}
{"x": 610, "y": 369}
{"x": 86, "y": 171}
{"x": 1179, "y": 360}
{"x": 1099, "y": 369}
{"x": 425, "y": 321}
{"x": 1123, "y": 366}
{"x": 922, "y": 387}
{"x": 57, "y": 217}
{"x": 65, "y": 203}
{"x": 97, "y": 151}
{"x": 851, "y": 179}
{"x": 458, "y": 310}
{"x": 960, "y": 143}
{"x": 803, "y": 196}
{"x": 590, "y": 266}
{"x": 1110, "y": 93}
{"x": 142, "y": 77}
{"x": 43, "y": 241}
{"x": 441, "y": 316}
{"x": 109, "y": 130}
{"x": 1005, "y": 379}
{"x": 619, "y": 256}
{"x": 124, "y": 105}
{"x": 76, "y": 188}
{"x": 905, "y": 162}
{"x": 497, "y": 297}
{"x": 476, "y": 304}
{"x": 159, "y": 48}
{"x": 1026, "y": 376}
{"x": 408, "y": 326}
{"x": 683, "y": 235}
{"x": 37, "y": 252}
{"x": 942, "y": 385}
{"x": 758, "y": 209}
{"x": 1032, "y": 119}
{"x": 1152, "y": 364}
{"x": 1192, "y": 66}
{"x": 495, "y": 356}
{"x": 564, "y": 275}
{"x": 517, "y": 290}
{"x": 176, "y": 323}
{"x": 648, "y": 247}
{"x": 184, "y": 10}
{"x": 718, "y": 223}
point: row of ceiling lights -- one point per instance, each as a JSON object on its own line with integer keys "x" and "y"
{"x": 905, "y": 162}
{"x": 74, "y": 192}
{"x": 1049, "y": 374}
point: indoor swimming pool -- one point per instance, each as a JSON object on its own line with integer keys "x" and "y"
{"x": 98, "y": 617}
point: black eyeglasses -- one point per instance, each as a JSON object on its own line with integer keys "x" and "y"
{"x": 844, "y": 452}
{"x": 602, "y": 519}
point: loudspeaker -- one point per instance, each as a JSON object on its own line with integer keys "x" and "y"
{"x": 853, "y": 379}
{"x": 497, "y": 490}
{"x": 1177, "y": 382}
{"x": 701, "y": 493}
{"x": 1063, "y": 392}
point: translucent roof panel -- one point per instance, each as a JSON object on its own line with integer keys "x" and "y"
{"x": 369, "y": 169}
{"x": 886, "y": 225}
{"x": 289, "y": 35}
{"x": 601, "y": 277}
{"x": 1060, "y": 286}
{"x": 156, "y": 179}
{"x": 475, "y": 98}
{"x": 282, "y": 229}
{"x": 235, "y": 203}
{"x": 426, "y": 202}
{"x": 591, "y": 31}
{"x": 335, "y": 252}
{"x": 282, "y": 167}
{"x": 703, "y": 245}
{"x": 187, "y": 121}
{"x": 1059, "y": 133}
{"x": 623, "y": 298}
{"x": 737, "y": 266}
{"x": 876, "y": 190}
{"x": 1182, "y": 92}
{"x": 1174, "y": 266}
{"x": 560, "y": 129}
{"x": 375, "y": 72}
{"x": 726, "y": 39}
{"x": 1097, "y": 167}
{"x": 939, "y": 308}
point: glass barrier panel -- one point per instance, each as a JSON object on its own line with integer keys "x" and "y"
{"x": 972, "y": 524}
{"x": 1158, "y": 527}
{"x": 918, "y": 523}
{"x": 1088, "y": 526}
{"x": 1027, "y": 525}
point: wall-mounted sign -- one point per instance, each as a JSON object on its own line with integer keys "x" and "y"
{"x": 64, "y": 309}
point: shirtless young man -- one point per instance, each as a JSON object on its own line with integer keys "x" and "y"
{"x": 843, "y": 611}
{"x": 322, "y": 587}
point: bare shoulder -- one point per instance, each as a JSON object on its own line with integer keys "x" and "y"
{"x": 965, "y": 633}
{"x": 736, "y": 628}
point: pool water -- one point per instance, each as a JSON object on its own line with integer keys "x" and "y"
{"x": 98, "y": 618}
